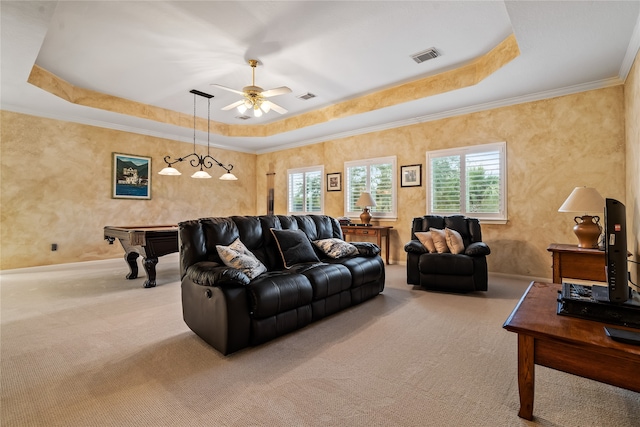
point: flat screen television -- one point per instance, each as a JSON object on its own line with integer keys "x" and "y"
{"x": 615, "y": 246}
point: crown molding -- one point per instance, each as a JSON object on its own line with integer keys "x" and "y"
{"x": 632, "y": 52}
{"x": 554, "y": 93}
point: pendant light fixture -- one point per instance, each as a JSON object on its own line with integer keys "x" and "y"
{"x": 196, "y": 160}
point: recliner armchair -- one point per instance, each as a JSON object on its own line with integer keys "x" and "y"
{"x": 463, "y": 272}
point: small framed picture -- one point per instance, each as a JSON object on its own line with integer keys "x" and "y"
{"x": 411, "y": 176}
{"x": 334, "y": 181}
{"x": 131, "y": 177}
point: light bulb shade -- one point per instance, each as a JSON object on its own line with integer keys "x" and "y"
{"x": 228, "y": 177}
{"x": 169, "y": 171}
{"x": 583, "y": 200}
{"x": 242, "y": 108}
{"x": 248, "y": 103}
{"x": 257, "y": 112}
{"x": 365, "y": 200}
{"x": 201, "y": 175}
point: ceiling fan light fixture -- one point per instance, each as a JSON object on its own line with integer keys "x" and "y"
{"x": 242, "y": 108}
{"x": 257, "y": 111}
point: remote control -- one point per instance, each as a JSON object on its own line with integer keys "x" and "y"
{"x": 627, "y": 337}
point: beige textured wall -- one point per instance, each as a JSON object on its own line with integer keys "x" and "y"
{"x": 632, "y": 122}
{"x": 56, "y": 188}
{"x": 552, "y": 146}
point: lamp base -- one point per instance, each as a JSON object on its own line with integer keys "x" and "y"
{"x": 365, "y": 216}
{"x": 587, "y": 231}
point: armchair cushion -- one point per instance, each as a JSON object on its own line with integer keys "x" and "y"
{"x": 209, "y": 273}
{"x": 439, "y": 240}
{"x": 294, "y": 247}
{"x": 427, "y": 241}
{"x": 454, "y": 241}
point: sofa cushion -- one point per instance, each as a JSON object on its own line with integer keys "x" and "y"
{"x": 454, "y": 241}
{"x": 439, "y": 240}
{"x": 277, "y": 292}
{"x": 325, "y": 279}
{"x": 427, "y": 240}
{"x": 294, "y": 247}
{"x": 236, "y": 255}
{"x": 335, "y": 248}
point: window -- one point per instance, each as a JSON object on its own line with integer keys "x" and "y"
{"x": 305, "y": 190}
{"x": 377, "y": 176}
{"x": 470, "y": 181}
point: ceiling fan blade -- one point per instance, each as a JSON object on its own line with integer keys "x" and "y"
{"x": 275, "y": 107}
{"x": 227, "y": 88}
{"x": 232, "y": 106}
{"x": 277, "y": 91}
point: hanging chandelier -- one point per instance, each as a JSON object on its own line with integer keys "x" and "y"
{"x": 204, "y": 161}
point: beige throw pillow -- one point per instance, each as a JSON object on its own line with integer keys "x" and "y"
{"x": 426, "y": 240}
{"x": 454, "y": 241}
{"x": 439, "y": 240}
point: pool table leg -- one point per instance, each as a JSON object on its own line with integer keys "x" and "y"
{"x": 130, "y": 258}
{"x": 150, "y": 268}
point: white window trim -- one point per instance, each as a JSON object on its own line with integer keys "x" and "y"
{"x": 391, "y": 216}
{"x": 500, "y": 218}
{"x": 317, "y": 168}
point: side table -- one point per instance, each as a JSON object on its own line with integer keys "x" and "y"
{"x": 374, "y": 230}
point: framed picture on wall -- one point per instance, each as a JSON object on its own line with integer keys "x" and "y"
{"x": 131, "y": 177}
{"x": 334, "y": 181}
{"x": 411, "y": 176}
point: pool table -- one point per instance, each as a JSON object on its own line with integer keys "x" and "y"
{"x": 151, "y": 242}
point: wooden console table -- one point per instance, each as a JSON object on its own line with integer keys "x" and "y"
{"x": 570, "y": 261}
{"x": 568, "y": 344}
{"x": 375, "y": 230}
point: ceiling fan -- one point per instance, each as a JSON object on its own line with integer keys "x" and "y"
{"x": 254, "y": 97}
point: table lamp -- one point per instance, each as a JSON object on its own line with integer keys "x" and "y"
{"x": 585, "y": 200}
{"x": 364, "y": 201}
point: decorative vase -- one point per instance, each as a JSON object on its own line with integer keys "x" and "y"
{"x": 365, "y": 216}
{"x": 587, "y": 231}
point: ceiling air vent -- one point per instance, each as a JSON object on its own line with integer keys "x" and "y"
{"x": 244, "y": 117}
{"x": 425, "y": 55}
{"x": 306, "y": 96}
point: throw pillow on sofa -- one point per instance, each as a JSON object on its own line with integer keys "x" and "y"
{"x": 335, "y": 248}
{"x": 294, "y": 247}
{"x": 236, "y": 255}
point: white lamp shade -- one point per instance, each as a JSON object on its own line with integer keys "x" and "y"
{"x": 242, "y": 108}
{"x": 228, "y": 177}
{"x": 257, "y": 112}
{"x": 365, "y": 200}
{"x": 583, "y": 200}
{"x": 169, "y": 171}
{"x": 201, "y": 175}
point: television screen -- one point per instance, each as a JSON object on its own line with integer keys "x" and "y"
{"x": 615, "y": 246}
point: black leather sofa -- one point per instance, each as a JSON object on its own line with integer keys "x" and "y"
{"x": 462, "y": 272}
{"x": 230, "y": 311}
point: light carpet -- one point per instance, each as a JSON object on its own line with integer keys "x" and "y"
{"x": 82, "y": 346}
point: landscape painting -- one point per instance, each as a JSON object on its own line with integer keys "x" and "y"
{"x": 131, "y": 177}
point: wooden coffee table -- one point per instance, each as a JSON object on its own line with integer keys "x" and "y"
{"x": 568, "y": 344}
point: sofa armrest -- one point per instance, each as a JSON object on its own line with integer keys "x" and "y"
{"x": 415, "y": 247}
{"x": 477, "y": 249}
{"x": 366, "y": 248}
{"x": 209, "y": 273}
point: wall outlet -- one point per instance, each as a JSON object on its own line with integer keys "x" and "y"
{"x": 54, "y": 247}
